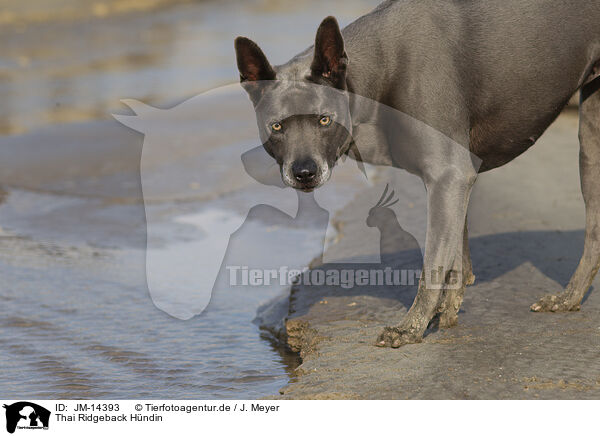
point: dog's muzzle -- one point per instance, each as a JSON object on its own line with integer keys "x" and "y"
{"x": 305, "y": 174}
{"x": 305, "y": 171}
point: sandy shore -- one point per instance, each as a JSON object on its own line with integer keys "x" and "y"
{"x": 526, "y": 222}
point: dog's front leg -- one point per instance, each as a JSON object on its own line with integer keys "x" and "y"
{"x": 447, "y": 201}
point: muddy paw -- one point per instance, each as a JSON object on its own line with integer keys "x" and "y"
{"x": 554, "y": 303}
{"x": 395, "y": 337}
{"x": 448, "y": 319}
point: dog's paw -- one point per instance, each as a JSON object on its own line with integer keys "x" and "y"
{"x": 395, "y": 337}
{"x": 448, "y": 319}
{"x": 555, "y": 303}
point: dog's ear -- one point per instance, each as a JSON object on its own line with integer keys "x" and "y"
{"x": 252, "y": 62}
{"x": 330, "y": 58}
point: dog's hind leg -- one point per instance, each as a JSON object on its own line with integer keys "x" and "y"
{"x": 589, "y": 163}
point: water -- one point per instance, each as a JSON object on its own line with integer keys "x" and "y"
{"x": 69, "y": 333}
{"x": 77, "y": 320}
{"x": 76, "y": 316}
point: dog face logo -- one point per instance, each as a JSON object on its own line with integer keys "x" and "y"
{"x": 25, "y": 415}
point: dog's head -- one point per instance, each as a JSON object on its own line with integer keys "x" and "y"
{"x": 302, "y": 107}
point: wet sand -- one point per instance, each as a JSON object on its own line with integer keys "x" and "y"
{"x": 526, "y": 230}
{"x": 73, "y": 61}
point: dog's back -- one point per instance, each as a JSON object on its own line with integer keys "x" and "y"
{"x": 462, "y": 62}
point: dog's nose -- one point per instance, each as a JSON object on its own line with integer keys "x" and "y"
{"x": 305, "y": 170}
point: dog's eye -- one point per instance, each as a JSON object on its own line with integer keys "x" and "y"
{"x": 325, "y": 120}
{"x": 276, "y": 127}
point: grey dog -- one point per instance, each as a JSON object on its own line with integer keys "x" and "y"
{"x": 491, "y": 75}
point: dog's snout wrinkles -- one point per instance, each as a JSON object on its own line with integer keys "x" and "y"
{"x": 304, "y": 170}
